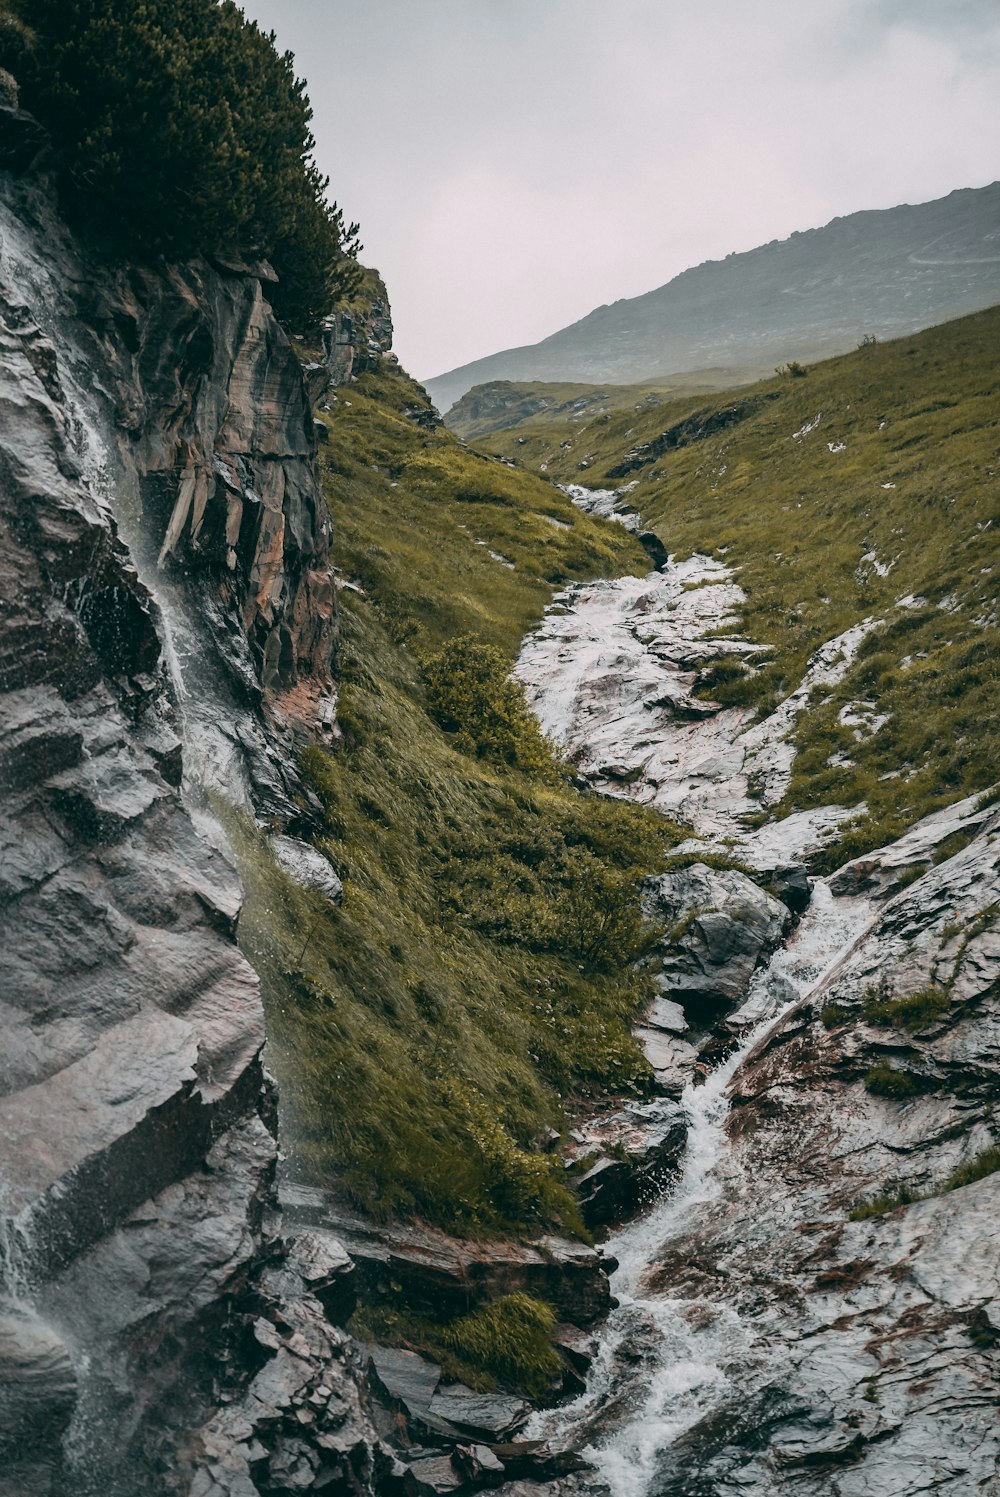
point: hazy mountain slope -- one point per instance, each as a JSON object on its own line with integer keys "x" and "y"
{"x": 868, "y": 489}
{"x": 886, "y": 272}
{"x": 501, "y": 403}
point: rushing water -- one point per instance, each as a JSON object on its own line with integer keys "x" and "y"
{"x": 665, "y": 1362}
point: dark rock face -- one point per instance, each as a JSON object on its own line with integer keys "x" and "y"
{"x": 445, "y": 1275}
{"x": 356, "y": 338}
{"x": 637, "y": 1153}
{"x": 204, "y": 428}
{"x": 144, "y": 1290}
{"x": 790, "y": 883}
{"x": 695, "y": 429}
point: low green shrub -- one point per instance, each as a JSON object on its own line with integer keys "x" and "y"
{"x": 504, "y": 1344}
{"x": 986, "y": 1163}
{"x": 511, "y": 1339}
{"x": 884, "y": 1080}
{"x": 835, "y": 1015}
{"x": 913, "y": 1011}
{"x": 898, "y": 1195}
{"x": 471, "y": 693}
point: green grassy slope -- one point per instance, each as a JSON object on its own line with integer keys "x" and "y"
{"x": 428, "y": 1033}
{"x": 502, "y": 403}
{"x": 873, "y": 479}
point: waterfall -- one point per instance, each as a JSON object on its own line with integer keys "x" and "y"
{"x": 593, "y": 670}
{"x": 666, "y": 1362}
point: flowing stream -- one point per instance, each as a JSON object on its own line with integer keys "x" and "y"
{"x": 664, "y": 1362}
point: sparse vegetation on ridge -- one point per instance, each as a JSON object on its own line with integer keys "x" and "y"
{"x": 987, "y": 1162}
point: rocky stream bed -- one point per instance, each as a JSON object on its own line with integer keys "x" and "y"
{"x": 764, "y": 1341}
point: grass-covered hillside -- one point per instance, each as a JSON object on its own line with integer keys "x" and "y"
{"x": 503, "y": 403}
{"x": 476, "y": 981}
{"x": 867, "y": 486}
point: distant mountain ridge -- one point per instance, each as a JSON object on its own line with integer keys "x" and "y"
{"x": 884, "y": 272}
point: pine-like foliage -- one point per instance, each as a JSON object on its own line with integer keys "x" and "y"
{"x": 182, "y": 128}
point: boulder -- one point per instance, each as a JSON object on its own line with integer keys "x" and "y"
{"x": 673, "y": 1060}
{"x": 38, "y": 1390}
{"x": 327, "y": 1272}
{"x": 404, "y": 1377}
{"x": 720, "y": 927}
{"x": 637, "y": 1152}
{"x": 489, "y": 1416}
{"x": 308, "y": 867}
{"x": 790, "y": 883}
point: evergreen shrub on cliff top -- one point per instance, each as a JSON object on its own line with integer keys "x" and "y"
{"x": 179, "y": 122}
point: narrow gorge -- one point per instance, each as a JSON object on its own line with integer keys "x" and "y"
{"x": 636, "y": 1104}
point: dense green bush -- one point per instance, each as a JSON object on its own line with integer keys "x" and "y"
{"x": 472, "y": 694}
{"x": 180, "y": 122}
{"x": 511, "y": 1339}
{"x": 884, "y": 1080}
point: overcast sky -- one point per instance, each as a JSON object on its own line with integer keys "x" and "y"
{"x": 515, "y": 163}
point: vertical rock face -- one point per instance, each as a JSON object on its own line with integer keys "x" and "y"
{"x": 215, "y": 421}
{"x": 359, "y": 334}
{"x": 142, "y": 1281}
{"x": 208, "y": 433}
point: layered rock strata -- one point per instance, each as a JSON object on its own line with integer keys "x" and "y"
{"x": 139, "y": 1247}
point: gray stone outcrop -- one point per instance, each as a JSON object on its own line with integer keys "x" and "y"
{"x": 140, "y": 1255}
{"x": 720, "y": 927}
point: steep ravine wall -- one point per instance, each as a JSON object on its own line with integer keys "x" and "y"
{"x": 145, "y": 1291}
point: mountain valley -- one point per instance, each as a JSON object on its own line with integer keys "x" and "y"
{"x": 501, "y": 916}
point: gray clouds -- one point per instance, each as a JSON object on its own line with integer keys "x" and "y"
{"x": 514, "y": 163}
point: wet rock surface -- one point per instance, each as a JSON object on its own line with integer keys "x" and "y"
{"x": 446, "y": 1275}
{"x": 630, "y": 1155}
{"x": 183, "y": 396}
{"x": 140, "y": 1254}
{"x": 720, "y": 926}
{"x": 874, "y": 1338}
{"x": 810, "y": 1306}
{"x": 615, "y": 673}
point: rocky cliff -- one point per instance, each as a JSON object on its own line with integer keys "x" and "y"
{"x": 152, "y": 418}
{"x": 168, "y": 630}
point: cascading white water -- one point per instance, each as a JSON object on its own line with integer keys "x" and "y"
{"x": 664, "y": 1362}
{"x": 597, "y": 666}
